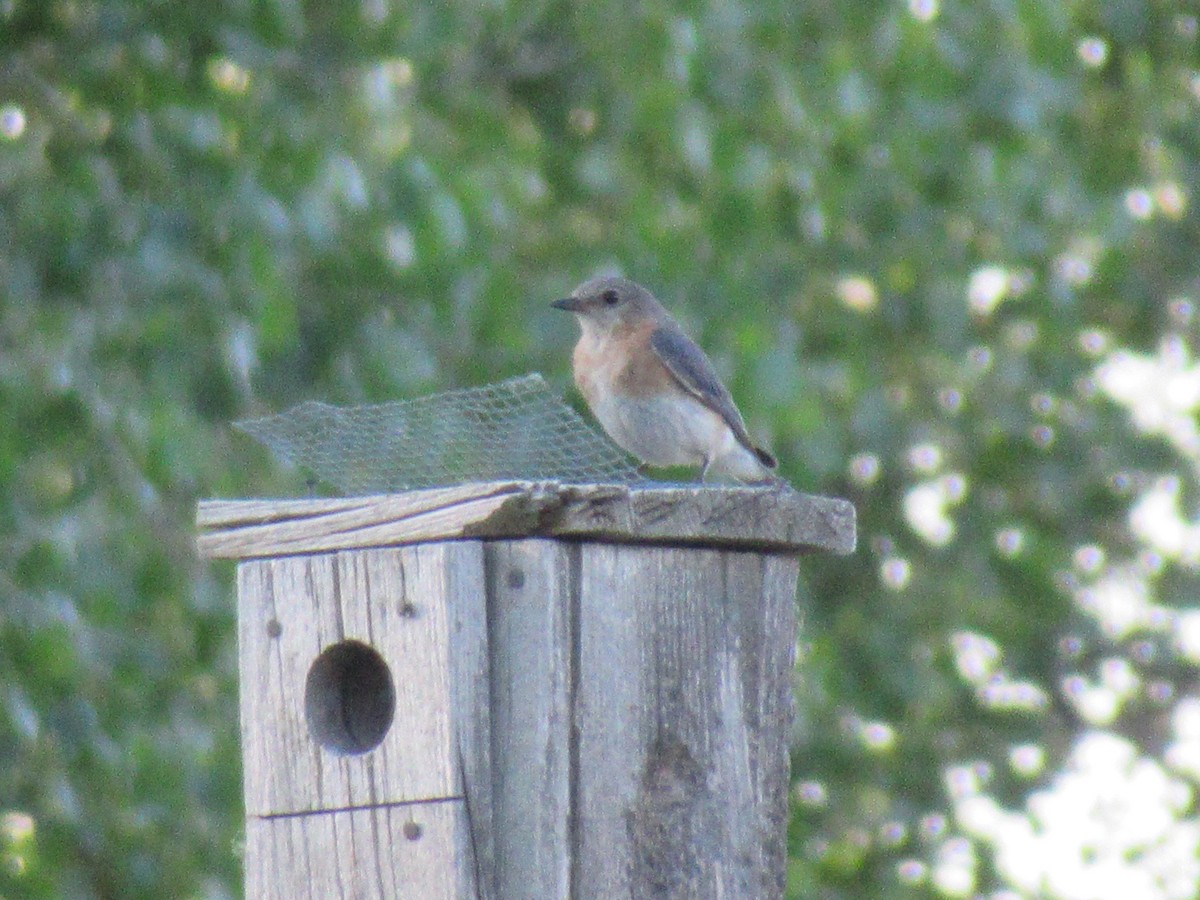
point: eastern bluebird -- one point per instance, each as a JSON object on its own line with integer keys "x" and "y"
{"x": 654, "y": 391}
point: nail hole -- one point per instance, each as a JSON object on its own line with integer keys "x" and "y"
{"x": 412, "y": 831}
{"x": 516, "y": 579}
{"x": 274, "y": 629}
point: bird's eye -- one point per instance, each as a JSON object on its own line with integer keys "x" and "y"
{"x": 610, "y": 297}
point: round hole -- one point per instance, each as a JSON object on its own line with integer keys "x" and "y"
{"x": 349, "y": 700}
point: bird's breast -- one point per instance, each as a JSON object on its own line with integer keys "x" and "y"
{"x": 640, "y": 407}
{"x": 594, "y": 371}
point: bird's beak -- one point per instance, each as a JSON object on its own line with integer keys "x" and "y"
{"x": 570, "y": 304}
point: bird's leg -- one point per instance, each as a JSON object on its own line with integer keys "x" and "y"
{"x": 704, "y": 470}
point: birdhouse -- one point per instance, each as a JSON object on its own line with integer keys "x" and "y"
{"x": 519, "y": 690}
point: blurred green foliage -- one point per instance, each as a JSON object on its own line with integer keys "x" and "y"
{"x": 212, "y": 211}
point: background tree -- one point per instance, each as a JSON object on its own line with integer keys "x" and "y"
{"x": 943, "y": 256}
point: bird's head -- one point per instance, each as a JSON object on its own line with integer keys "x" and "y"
{"x": 606, "y": 304}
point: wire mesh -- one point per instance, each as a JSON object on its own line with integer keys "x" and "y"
{"x": 512, "y": 430}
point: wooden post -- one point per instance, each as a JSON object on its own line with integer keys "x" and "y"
{"x": 519, "y": 690}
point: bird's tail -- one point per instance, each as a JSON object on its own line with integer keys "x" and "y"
{"x": 746, "y": 464}
{"x": 759, "y": 468}
{"x": 765, "y": 458}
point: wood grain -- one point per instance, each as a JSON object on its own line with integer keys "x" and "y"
{"x": 379, "y": 853}
{"x": 759, "y": 518}
{"x": 530, "y": 625}
{"x": 683, "y": 714}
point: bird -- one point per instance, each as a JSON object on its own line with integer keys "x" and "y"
{"x": 652, "y": 388}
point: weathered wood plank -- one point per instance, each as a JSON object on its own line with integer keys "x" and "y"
{"x": 380, "y": 522}
{"x": 290, "y": 610}
{"x": 530, "y": 591}
{"x": 762, "y": 518}
{"x": 471, "y": 715}
{"x": 229, "y": 513}
{"x": 683, "y": 712}
{"x": 405, "y": 852}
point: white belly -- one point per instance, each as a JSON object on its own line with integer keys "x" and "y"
{"x": 665, "y": 431}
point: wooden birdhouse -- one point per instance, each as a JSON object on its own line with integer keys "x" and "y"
{"x": 519, "y": 690}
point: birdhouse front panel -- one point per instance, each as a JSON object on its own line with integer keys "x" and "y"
{"x": 345, "y": 678}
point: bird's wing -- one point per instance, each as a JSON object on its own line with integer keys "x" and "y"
{"x": 692, "y": 369}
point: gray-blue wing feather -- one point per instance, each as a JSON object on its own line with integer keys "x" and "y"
{"x": 696, "y": 374}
